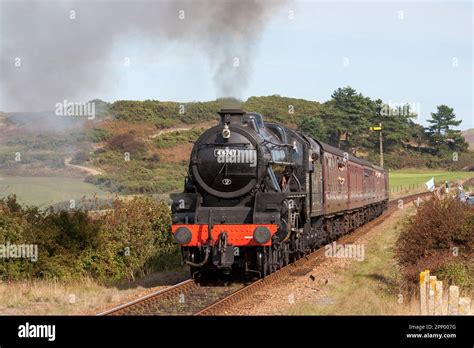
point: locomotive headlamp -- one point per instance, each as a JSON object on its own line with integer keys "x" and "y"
{"x": 182, "y": 235}
{"x": 226, "y": 132}
{"x": 261, "y": 235}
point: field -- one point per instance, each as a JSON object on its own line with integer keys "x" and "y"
{"x": 44, "y": 191}
{"x": 402, "y": 179}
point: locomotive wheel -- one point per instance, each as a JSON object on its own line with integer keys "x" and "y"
{"x": 286, "y": 254}
{"x": 273, "y": 266}
{"x": 263, "y": 262}
{"x": 329, "y": 231}
{"x": 271, "y": 254}
{"x": 274, "y": 259}
{"x": 193, "y": 258}
{"x": 277, "y": 262}
{"x": 346, "y": 224}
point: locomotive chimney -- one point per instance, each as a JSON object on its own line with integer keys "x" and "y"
{"x": 231, "y": 116}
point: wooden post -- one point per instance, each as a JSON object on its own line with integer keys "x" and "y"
{"x": 381, "y": 146}
{"x": 431, "y": 295}
{"x": 464, "y": 306}
{"x": 438, "y": 310}
{"x": 423, "y": 303}
{"x": 453, "y": 300}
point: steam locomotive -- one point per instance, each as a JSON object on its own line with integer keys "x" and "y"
{"x": 259, "y": 196}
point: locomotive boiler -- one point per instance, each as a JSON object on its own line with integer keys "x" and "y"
{"x": 259, "y": 195}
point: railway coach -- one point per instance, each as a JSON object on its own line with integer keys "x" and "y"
{"x": 259, "y": 195}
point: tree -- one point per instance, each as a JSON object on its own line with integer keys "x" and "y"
{"x": 313, "y": 126}
{"x": 440, "y": 132}
{"x": 442, "y": 120}
{"x": 397, "y": 124}
{"x": 348, "y": 113}
{"x": 418, "y": 135}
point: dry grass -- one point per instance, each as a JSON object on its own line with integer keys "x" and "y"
{"x": 142, "y": 129}
{"x": 370, "y": 287}
{"x": 82, "y": 297}
{"x": 176, "y": 154}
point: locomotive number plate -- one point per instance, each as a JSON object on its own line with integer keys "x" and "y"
{"x": 225, "y": 152}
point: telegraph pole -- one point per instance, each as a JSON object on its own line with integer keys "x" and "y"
{"x": 379, "y": 128}
{"x": 381, "y": 146}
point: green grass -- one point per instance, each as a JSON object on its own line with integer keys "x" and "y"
{"x": 44, "y": 191}
{"x": 405, "y": 177}
{"x": 180, "y": 137}
{"x": 370, "y": 287}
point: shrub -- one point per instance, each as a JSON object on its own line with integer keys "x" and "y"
{"x": 127, "y": 142}
{"x": 134, "y": 235}
{"x": 133, "y": 238}
{"x": 428, "y": 240}
{"x": 80, "y": 157}
{"x": 97, "y": 135}
{"x": 181, "y": 137}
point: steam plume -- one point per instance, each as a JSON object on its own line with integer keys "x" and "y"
{"x": 61, "y": 56}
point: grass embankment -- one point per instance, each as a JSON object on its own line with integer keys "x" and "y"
{"x": 370, "y": 287}
{"x": 84, "y": 296}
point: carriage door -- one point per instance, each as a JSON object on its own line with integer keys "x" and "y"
{"x": 317, "y": 186}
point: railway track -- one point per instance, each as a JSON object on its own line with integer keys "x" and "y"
{"x": 191, "y": 298}
{"x": 185, "y": 298}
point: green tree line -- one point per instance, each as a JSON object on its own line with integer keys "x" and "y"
{"x": 343, "y": 121}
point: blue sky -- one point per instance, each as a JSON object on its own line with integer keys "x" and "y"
{"x": 415, "y": 52}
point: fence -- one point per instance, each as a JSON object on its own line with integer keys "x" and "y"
{"x": 434, "y": 302}
{"x": 407, "y": 188}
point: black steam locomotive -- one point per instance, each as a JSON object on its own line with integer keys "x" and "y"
{"x": 259, "y": 196}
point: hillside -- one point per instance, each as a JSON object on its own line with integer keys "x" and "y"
{"x": 469, "y": 136}
{"x": 143, "y": 147}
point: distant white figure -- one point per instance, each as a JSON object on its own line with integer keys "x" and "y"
{"x": 430, "y": 185}
{"x": 462, "y": 195}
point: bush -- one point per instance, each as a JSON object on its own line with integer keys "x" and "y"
{"x": 133, "y": 238}
{"x": 134, "y": 235}
{"x": 164, "y": 114}
{"x": 181, "y": 137}
{"x": 97, "y": 135}
{"x": 80, "y": 157}
{"x": 428, "y": 240}
{"x": 127, "y": 142}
